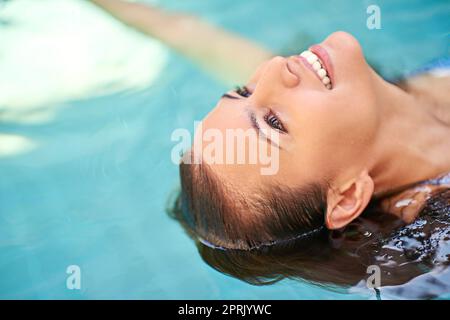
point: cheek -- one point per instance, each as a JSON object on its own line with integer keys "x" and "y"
{"x": 351, "y": 122}
{"x": 333, "y": 130}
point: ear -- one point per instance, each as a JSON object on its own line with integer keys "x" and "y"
{"x": 348, "y": 201}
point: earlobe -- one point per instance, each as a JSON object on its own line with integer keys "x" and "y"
{"x": 347, "y": 202}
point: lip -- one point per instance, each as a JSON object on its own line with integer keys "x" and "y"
{"x": 323, "y": 55}
{"x": 308, "y": 66}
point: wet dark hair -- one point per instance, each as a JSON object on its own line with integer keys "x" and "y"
{"x": 222, "y": 217}
{"x": 279, "y": 233}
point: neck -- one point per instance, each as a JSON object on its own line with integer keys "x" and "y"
{"x": 412, "y": 145}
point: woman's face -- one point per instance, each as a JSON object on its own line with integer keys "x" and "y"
{"x": 322, "y": 132}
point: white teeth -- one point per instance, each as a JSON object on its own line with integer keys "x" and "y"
{"x": 317, "y": 66}
{"x": 322, "y": 73}
{"x": 312, "y": 58}
{"x": 306, "y": 53}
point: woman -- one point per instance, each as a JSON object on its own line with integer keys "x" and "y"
{"x": 348, "y": 143}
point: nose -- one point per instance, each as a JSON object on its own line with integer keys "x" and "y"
{"x": 274, "y": 78}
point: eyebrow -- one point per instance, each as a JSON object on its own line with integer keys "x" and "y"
{"x": 253, "y": 121}
{"x": 229, "y": 96}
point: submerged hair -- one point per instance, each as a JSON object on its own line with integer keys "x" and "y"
{"x": 278, "y": 232}
{"x": 221, "y": 217}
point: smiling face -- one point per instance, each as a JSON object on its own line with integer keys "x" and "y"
{"x": 326, "y": 127}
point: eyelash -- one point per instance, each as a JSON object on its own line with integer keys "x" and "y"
{"x": 270, "y": 118}
{"x": 243, "y": 91}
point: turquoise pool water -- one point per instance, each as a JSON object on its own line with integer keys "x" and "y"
{"x": 87, "y": 107}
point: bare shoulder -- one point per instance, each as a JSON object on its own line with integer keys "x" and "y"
{"x": 428, "y": 196}
{"x": 435, "y": 86}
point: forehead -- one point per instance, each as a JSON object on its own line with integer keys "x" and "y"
{"x": 228, "y": 115}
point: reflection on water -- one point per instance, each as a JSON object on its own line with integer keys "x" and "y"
{"x": 53, "y": 51}
{"x": 415, "y": 257}
{"x": 86, "y": 114}
{"x": 14, "y": 144}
